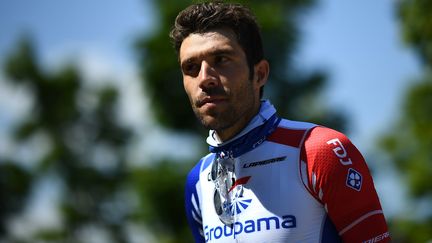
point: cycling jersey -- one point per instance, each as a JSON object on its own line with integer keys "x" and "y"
{"x": 294, "y": 182}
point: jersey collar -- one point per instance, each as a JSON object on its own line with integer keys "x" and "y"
{"x": 260, "y": 126}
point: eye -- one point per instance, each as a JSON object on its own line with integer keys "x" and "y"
{"x": 220, "y": 59}
{"x": 190, "y": 68}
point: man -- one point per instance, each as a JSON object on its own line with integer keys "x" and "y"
{"x": 266, "y": 179}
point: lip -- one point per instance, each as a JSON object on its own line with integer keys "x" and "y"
{"x": 212, "y": 101}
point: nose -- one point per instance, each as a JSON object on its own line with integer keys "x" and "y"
{"x": 207, "y": 75}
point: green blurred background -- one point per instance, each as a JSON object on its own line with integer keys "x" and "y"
{"x": 96, "y": 133}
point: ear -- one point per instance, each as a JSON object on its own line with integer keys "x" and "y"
{"x": 261, "y": 73}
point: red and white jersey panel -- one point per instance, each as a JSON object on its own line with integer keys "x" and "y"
{"x": 338, "y": 176}
{"x": 305, "y": 183}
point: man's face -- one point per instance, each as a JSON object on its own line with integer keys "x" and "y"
{"x": 216, "y": 79}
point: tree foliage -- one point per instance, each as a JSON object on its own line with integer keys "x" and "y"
{"x": 410, "y": 141}
{"x": 415, "y": 17}
{"x": 14, "y": 189}
{"x": 86, "y": 148}
{"x": 160, "y": 190}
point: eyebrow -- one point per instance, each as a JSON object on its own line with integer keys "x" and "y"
{"x": 217, "y": 52}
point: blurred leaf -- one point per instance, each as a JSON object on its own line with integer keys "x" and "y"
{"x": 409, "y": 142}
{"x": 15, "y": 184}
{"x": 416, "y": 21}
{"x": 161, "y": 192}
{"x": 21, "y": 65}
{"x": 87, "y": 149}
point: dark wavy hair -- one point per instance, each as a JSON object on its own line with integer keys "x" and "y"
{"x": 204, "y": 17}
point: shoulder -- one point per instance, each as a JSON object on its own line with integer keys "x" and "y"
{"x": 338, "y": 176}
{"x": 325, "y": 144}
{"x": 290, "y": 133}
{"x": 193, "y": 198}
{"x": 194, "y": 173}
{"x": 335, "y": 167}
{"x": 324, "y": 136}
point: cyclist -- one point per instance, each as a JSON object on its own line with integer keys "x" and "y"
{"x": 266, "y": 179}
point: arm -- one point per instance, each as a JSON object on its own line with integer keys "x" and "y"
{"x": 193, "y": 211}
{"x": 339, "y": 178}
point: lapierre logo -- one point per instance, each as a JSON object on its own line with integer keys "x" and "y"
{"x": 250, "y": 226}
{"x": 378, "y": 238}
{"x": 264, "y": 162}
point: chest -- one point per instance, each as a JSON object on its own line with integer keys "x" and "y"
{"x": 268, "y": 204}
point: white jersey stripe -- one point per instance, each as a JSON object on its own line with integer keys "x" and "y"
{"x": 196, "y": 218}
{"x": 195, "y": 205}
{"x": 360, "y": 220}
{"x": 304, "y": 175}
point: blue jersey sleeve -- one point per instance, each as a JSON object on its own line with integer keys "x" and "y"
{"x": 193, "y": 210}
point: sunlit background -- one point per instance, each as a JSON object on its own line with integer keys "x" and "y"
{"x": 95, "y": 139}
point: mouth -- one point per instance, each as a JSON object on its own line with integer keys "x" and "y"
{"x": 211, "y": 101}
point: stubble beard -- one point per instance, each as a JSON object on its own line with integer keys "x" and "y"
{"x": 217, "y": 120}
{"x": 221, "y": 120}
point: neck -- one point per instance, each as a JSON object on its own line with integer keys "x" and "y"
{"x": 248, "y": 141}
{"x": 230, "y": 132}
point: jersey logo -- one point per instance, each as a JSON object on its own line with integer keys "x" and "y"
{"x": 354, "y": 179}
{"x": 239, "y": 203}
{"x": 340, "y": 151}
{"x": 264, "y": 162}
{"x": 249, "y": 226}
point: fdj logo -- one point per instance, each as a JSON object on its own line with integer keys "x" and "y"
{"x": 340, "y": 151}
